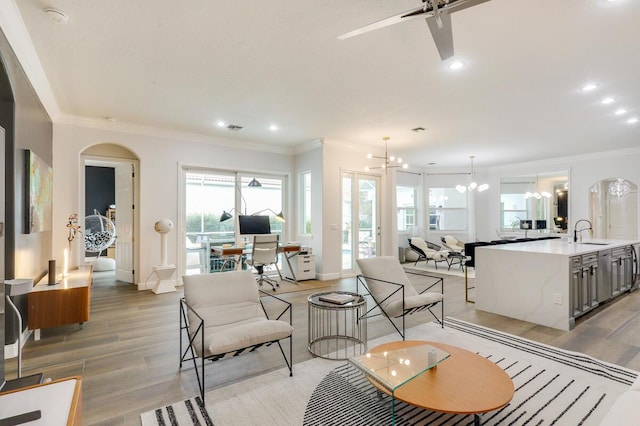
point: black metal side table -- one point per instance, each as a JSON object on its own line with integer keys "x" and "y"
{"x": 336, "y": 331}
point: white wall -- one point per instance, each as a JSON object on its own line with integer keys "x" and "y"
{"x": 310, "y": 161}
{"x": 158, "y": 178}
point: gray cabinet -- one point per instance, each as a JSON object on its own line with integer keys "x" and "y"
{"x": 598, "y": 277}
{"x": 621, "y": 270}
{"x": 584, "y": 283}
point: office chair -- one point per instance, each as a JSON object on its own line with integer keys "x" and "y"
{"x": 264, "y": 253}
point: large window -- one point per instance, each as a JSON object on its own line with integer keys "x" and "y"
{"x": 264, "y": 200}
{"x": 208, "y": 194}
{"x": 406, "y": 204}
{"x": 447, "y": 209}
{"x": 513, "y": 208}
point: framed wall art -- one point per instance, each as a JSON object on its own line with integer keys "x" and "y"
{"x": 39, "y": 189}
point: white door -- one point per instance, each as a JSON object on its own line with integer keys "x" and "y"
{"x": 125, "y": 174}
{"x": 360, "y": 218}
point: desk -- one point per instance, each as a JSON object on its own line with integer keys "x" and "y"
{"x": 288, "y": 251}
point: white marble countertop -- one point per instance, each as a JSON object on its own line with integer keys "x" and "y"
{"x": 561, "y": 246}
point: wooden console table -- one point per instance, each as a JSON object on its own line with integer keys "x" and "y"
{"x": 54, "y": 403}
{"x": 66, "y": 302}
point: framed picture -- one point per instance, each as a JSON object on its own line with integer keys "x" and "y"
{"x": 39, "y": 189}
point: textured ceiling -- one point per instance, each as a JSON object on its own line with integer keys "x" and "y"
{"x": 185, "y": 65}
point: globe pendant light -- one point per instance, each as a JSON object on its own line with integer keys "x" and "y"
{"x": 473, "y": 185}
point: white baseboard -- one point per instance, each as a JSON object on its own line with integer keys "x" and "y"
{"x": 325, "y": 277}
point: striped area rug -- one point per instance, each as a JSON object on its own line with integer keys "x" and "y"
{"x": 553, "y": 387}
{"x": 188, "y": 412}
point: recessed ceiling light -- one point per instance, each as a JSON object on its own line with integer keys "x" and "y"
{"x": 456, "y": 65}
{"x": 589, "y": 87}
{"x": 620, "y": 111}
{"x": 221, "y": 123}
{"x": 273, "y": 127}
{"x": 632, "y": 120}
{"x": 607, "y": 101}
{"x": 56, "y": 16}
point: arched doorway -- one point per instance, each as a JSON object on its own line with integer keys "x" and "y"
{"x": 117, "y": 186}
{"x": 613, "y": 205}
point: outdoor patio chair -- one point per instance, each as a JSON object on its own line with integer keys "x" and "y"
{"x": 384, "y": 279}
{"x": 222, "y": 315}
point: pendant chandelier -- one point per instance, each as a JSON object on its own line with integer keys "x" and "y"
{"x": 389, "y": 162}
{"x": 537, "y": 195}
{"x": 473, "y": 185}
{"x": 618, "y": 188}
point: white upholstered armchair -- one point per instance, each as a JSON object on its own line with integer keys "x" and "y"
{"x": 393, "y": 293}
{"x": 222, "y": 315}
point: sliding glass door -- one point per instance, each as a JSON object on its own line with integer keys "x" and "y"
{"x": 360, "y": 218}
{"x": 213, "y": 200}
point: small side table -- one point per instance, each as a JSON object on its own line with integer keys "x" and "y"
{"x": 164, "y": 283}
{"x": 337, "y": 331}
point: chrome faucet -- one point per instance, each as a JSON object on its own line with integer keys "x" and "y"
{"x": 576, "y": 230}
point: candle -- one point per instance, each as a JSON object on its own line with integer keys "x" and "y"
{"x": 65, "y": 268}
{"x": 52, "y": 272}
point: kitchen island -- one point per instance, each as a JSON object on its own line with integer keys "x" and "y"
{"x": 552, "y": 282}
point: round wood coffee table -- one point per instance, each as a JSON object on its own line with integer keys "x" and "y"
{"x": 464, "y": 383}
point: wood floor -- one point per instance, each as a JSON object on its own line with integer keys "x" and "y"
{"x": 127, "y": 353}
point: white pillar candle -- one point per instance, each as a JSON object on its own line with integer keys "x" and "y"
{"x": 65, "y": 264}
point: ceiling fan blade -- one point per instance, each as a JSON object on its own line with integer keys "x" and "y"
{"x": 456, "y": 6}
{"x": 442, "y": 34}
{"x": 402, "y": 17}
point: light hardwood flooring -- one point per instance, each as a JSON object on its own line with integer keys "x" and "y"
{"x": 128, "y": 356}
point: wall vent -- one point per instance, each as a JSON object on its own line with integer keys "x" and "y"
{"x": 234, "y": 127}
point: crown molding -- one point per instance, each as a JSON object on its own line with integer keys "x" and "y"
{"x": 562, "y": 162}
{"x": 165, "y": 133}
{"x": 16, "y": 33}
{"x": 303, "y": 147}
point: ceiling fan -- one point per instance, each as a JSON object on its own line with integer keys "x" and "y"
{"x": 436, "y": 13}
